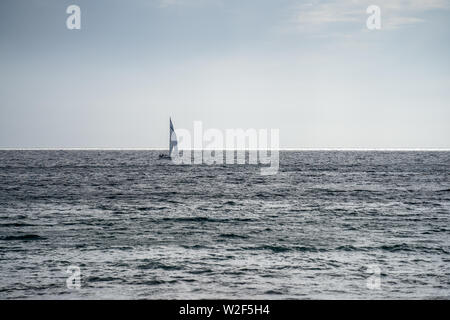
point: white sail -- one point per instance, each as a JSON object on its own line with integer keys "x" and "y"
{"x": 173, "y": 143}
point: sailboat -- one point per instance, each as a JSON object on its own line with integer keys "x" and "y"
{"x": 173, "y": 143}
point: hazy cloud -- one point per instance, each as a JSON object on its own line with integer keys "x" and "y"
{"x": 395, "y": 13}
{"x": 185, "y": 3}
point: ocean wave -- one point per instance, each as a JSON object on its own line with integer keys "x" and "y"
{"x": 158, "y": 265}
{"x": 25, "y": 237}
{"x": 17, "y": 224}
{"x": 233, "y": 235}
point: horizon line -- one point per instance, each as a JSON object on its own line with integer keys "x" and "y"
{"x": 209, "y": 149}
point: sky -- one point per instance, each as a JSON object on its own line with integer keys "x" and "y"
{"x": 311, "y": 69}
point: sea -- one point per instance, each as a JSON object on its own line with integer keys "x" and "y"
{"x": 121, "y": 224}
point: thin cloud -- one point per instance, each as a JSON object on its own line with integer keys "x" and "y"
{"x": 394, "y": 13}
{"x": 187, "y": 3}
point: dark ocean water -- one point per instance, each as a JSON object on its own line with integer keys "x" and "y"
{"x": 141, "y": 228}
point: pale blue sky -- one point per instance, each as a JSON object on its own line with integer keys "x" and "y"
{"x": 310, "y": 68}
